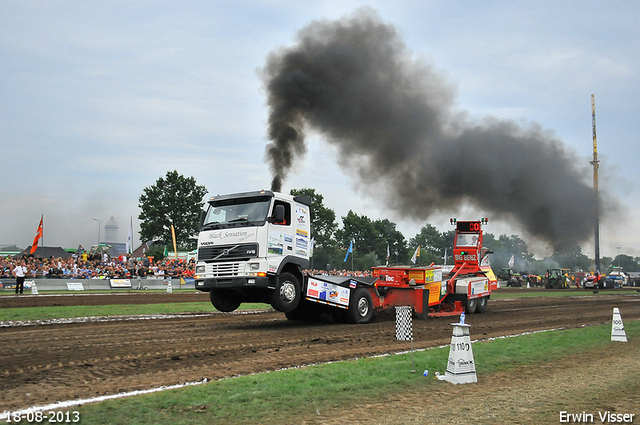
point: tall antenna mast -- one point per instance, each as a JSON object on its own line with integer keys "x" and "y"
{"x": 596, "y": 165}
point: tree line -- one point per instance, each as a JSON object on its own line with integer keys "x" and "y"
{"x": 177, "y": 200}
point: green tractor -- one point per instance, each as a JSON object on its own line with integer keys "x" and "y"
{"x": 556, "y": 279}
{"x": 510, "y": 277}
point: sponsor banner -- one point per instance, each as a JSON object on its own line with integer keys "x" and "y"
{"x": 302, "y": 243}
{"x": 391, "y": 277}
{"x": 276, "y": 243}
{"x": 417, "y": 275}
{"x": 120, "y": 283}
{"x": 301, "y": 215}
{"x": 479, "y": 287}
{"x": 467, "y": 257}
{"x": 218, "y": 237}
{"x": 434, "y": 275}
{"x": 75, "y": 286}
{"x": 328, "y": 292}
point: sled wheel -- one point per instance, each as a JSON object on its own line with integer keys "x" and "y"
{"x": 482, "y": 304}
{"x": 360, "y": 306}
{"x": 471, "y": 306}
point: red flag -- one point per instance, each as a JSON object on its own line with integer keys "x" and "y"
{"x": 34, "y": 246}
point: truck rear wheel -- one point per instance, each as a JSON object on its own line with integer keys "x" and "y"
{"x": 222, "y": 301}
{"x": 286, "y": 295}
{"x": 471, "y": 306}
{"x": 360, "y": 306}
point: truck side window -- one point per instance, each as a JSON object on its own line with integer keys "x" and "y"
{"x": 287, "y": 212}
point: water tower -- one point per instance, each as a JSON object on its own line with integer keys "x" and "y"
{"x": 111, "y": 231}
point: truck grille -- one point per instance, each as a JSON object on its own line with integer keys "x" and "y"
{"x": 224, "y": 269}
{"x": 227, "y": 252}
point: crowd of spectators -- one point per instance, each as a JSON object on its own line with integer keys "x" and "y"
{"x": 84, "y": 266}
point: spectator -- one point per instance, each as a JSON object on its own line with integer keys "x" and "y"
{"x": 20, "y": 271}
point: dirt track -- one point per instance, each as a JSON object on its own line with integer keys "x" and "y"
{"x": 57, "y": 362}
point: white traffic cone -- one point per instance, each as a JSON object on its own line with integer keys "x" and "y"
{"x": 461, "y": 368}
{"x": 34, "y": 288}
{"x": 169, "y": 290}
{"x": 617, "y": 327}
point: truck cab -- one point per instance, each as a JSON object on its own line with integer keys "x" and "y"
{"x": 252, "y": 247}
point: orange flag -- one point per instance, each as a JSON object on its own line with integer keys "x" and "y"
{"x": 34, "y": 246}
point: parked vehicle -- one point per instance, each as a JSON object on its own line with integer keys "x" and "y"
{"x": 595, "y": 281}
{"x": 617, "y": 278}
{"x": 511, "y": 278}
{"x": 557, "y": 278}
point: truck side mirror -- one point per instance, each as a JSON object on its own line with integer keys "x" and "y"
{"x": 278, "y": 214}
{"x": 203, "y": 214}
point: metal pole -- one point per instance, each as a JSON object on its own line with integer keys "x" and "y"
{"x": 596, "y": 165}
{"x": 413, "y": 365}
{"x": 99, "y": 225}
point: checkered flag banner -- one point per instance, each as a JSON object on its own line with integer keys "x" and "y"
{"x": 404, "y": 324}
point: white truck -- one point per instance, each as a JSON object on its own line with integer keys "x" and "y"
{"x": 252, "y": 247}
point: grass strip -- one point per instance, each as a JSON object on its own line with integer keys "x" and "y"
{"x": 64, "y": 312}
{"x": 290, "y": 396}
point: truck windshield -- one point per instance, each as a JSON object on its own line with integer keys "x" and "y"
{"x": 237, "y": 211}
{"x": 467, "y": 239}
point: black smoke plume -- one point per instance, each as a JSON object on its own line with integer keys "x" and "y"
{"x": 392, "y": 118}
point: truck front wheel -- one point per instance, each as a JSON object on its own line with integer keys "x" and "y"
{"x": 360, "y": 306}
{"x": 286, "y": 295}
{"x": 222, "y": 301}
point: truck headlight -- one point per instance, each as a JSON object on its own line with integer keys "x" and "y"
{"x": 254, "y": 266}
{"x": 199, "y": 269}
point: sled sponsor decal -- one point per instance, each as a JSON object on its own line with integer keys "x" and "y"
{"x": 328, "y": 292}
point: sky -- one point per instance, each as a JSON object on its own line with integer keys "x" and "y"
{"x": 100, "y": 99}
